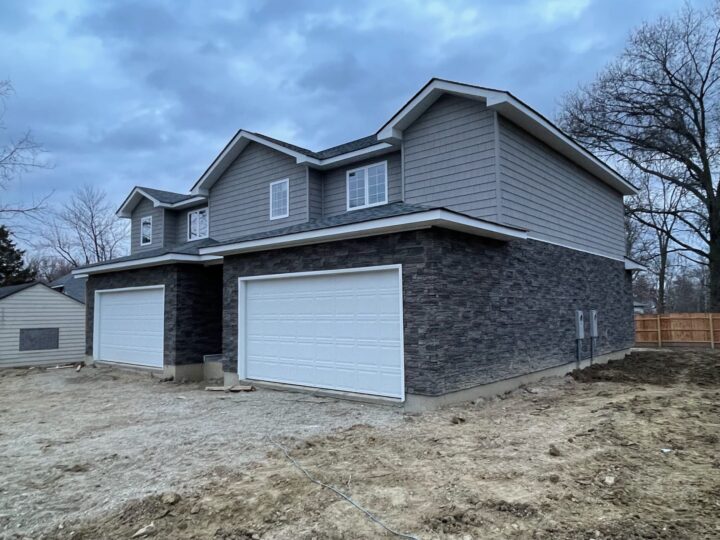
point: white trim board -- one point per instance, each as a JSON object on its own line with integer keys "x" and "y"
{"x": 140, "y": 263}
{"x": 419, "y": 220}
{"x": 137, "y": 193}
{"x": 242, "y": 317}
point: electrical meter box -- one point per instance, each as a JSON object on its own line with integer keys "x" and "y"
{"x": 579, "y": 325}
{"x": 593, "y": 323}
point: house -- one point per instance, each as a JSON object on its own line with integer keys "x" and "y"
{"x": 67, "y": 284}
{"x": 444, "y": 256}
{"x": 40, "y": 326}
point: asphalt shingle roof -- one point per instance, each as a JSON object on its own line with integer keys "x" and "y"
{"x": 12, "y": 289}
{"x": 168, "y": 197}
{"x": 71, "y": 286}
{"x": 351, "y": 146}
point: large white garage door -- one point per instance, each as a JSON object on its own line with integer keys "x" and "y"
{"x": 340, "y": 331}
{"x": 129, "y": 326}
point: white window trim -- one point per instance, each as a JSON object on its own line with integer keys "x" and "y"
{"x": 347, "y": 186}
{"x": 187, "y": 223}
{"x": 142, "y": 220}
{"x": 285, "y": 181}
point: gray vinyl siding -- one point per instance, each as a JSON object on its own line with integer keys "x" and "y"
{"x": 239, "y": 201}
{"x": 41, "y": 307}
{"x": 335, "y": 195}
{"x": 315, "y": 194}
{"x": 449, "y": 158}
{"x": 145, "y": 208}
{"x": 170, "y": 228}
{"x": 555, "y": 199}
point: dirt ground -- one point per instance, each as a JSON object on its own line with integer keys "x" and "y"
{"x": 626, "y": 450}
{"x": 74, "y": 446}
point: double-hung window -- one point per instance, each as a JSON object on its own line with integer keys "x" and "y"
{"x": 197, "y": 224}
{"x": 146, "y": 231}
{"x": 280, "y": 199}
{"x": 367, "y": 186}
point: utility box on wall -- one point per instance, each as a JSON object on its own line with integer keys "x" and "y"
{"x": 579, "y": 325}
{"x": 593, "y": 323}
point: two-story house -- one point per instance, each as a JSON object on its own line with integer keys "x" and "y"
{"x": 449, "y": 251}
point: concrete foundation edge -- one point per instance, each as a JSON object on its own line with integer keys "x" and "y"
{"x": 418, "y": 403}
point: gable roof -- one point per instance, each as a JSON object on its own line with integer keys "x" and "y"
{"x": 390, "y": 134}
{"x": 9, "y": 290}
{"x": 513, "y": 109}
{"x": 159, "y": 198}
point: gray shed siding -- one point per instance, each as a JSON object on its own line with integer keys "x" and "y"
{"x": 449, "y": 157}
{"x": 145, "y": 208}
{"x": 239, "y": 201}
{"x": 41, "y": 307}
{"x": 555, "y": 199}
{"x": 335, "y": 195}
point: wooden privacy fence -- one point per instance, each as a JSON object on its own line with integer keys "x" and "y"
{"x": 678, "y": 329}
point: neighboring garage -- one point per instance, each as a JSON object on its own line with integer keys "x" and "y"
{"x": 40, "y": 326}
{"x": 129, "y": 326}
{"x": 339, "y": 329}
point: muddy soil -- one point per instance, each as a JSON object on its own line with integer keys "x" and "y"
{"x": 624, "y": 451}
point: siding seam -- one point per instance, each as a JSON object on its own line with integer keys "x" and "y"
{"x": 498, "y": 178}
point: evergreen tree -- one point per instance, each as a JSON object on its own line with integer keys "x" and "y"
{"x": 12, "y": 267}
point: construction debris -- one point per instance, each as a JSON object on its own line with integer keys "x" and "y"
{"x": 235, "y": 388}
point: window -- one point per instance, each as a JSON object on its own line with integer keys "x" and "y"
{"x": 367, "y": 186}
{"x": 197, "y": 224}
{"x": 39, "y": 339}
{"x": 280, "y": 199}
{"x": 146, "y": 231}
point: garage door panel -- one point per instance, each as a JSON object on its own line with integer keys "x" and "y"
{"x": 131, "y": 327}
{"x": 340, "y": 331}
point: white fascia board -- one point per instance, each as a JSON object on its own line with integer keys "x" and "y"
{"x": 141, "y": 263}
{"x": 131, "y": 201}
{"x": 420, "y": 220}
{"x": 348, "y": 157}
{"x": 632, "y": 265}
{"x": 513, "y": 109}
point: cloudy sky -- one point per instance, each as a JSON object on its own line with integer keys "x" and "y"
{"x": 147, "y": 92}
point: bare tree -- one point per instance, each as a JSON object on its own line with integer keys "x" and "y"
{"x": 85, "y": 230}
{"x": 657, "y": 109}
{"x": 17, "y": 156}
{"x": 656, "y": 207}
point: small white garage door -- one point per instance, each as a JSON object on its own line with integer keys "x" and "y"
{"x": 129, "y": 326}
{"x": 336, "y": 330}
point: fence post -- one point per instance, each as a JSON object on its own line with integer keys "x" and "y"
{"x": 712, "y": 331}
{"x": 659, "y": 332}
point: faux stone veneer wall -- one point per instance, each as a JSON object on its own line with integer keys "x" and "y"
{"x": 475, "y": 310}
{"x": 193, "y": 299}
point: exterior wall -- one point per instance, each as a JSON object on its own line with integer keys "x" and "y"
{"x": 555, "y": 199}
{"x": 171, "y": 224}
{"x": 145, "y": 208}
{"x": 335, "y": 188}
{"x": 475, "y": 310}
{"x": 239, "y": 201}
{"x": 192, "y": 307}
{"x": 40, "y": 307}
{"x": 316, "y": 188}
{"x": 449, "y": 158}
